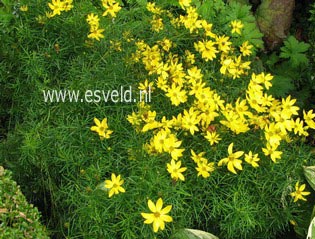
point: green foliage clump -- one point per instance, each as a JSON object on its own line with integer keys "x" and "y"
{"x": 18, "y": 218}
{"x": 292, "y": 71}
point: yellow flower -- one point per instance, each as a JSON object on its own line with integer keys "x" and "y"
{"x": 272, "y": 152}
{"x": 252, "y": 159}
{"x": 67, "y": 5}
{"x": 154, "y": 9}
{"x": 207, "y": 49}
{"x": 115, "y": 45}
{"x": 223, "y": 43}
{"x": 245, "y": 49}
{"x": 157, "y": 24}
{"x": 93, "y": 21}
{"x": 232, "y": 160}
{"x": 212, "y": 137}
{"x": 158, "y": 216}
{"x": 236, "y": 26}
{"x": 160, "y": 140}
{"x": 189, "y": 57}
{"x": 166, "y": 44}
{"x": 146, "y": 86}
{"x": 204, "y": 169}
{"x": 184, "y": 3}
{"x": 299, "y": 192}
{"x": 112, "y": 8}
{"x": 309, "y": 118}
{"x": 176, "y": 94}
{"x": 288, "y": 108}
{"x": 114, "y": 185}
{"x": 56, "y": 6}
{"x": 190, "y": 120}
{"x": 96, "y": 34}
{"x": 101, "y": 128}
{"x": 24, "y": 8}
{"x": 198, "y": 158}
{"x": 174, "y": 168}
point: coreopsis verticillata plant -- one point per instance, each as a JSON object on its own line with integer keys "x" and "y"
{"x": 158, "y": 215}
{"x": 299, "y": 192}
{"x": 232, "y": 160}
{"x": 205, "y": 97}
{"x": 114, "y": 185}
{"x": 101, "y": 128}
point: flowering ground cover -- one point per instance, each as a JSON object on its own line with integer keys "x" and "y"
{"x": 139, "y": 119}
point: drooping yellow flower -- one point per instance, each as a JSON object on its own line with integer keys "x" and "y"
{"x": 174, "y": 168}
{"x": 159, "y": 216}
{"x": 232, "y": 160}
{"x": 236, "y": 26}
{"x": 299, "y": 192}
{"x": 102, "y": 128}
{"x": 114, "y": 185}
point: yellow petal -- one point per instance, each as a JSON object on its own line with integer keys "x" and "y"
{"x": 166, "y": 218}
{"x": 230, "y": 167}
{"x": 238, "y": 154}
{"x": 230, "y": 149}
{"x": 151, "y": 206}
{"x": 238, "y": 164}
{"x": 111, "y": 192}
{"x": 302, "y": 187}
{"x": 97, "y": 122}
{"x": 159, "y": 205}
{"x": 94, "y": 128}
{"x": 121, "y": 189}
{"x": 148, "y": 216}
{"x": 166, "y": 210}
{"x": 223, "y": 161}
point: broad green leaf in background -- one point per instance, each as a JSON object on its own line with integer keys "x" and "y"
{"x": 309, "y": 173}
{"x": 294, "y": 51}
{"x": 311, "y": 230}
{"x": 281, "y": 86}
{"x": 193, "y": 234}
